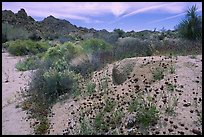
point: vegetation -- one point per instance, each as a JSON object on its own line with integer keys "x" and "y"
{"x": 68, "y": 59}
{"x": 191, "y": 27}
{"x": 170, "y": 87}
{"x": 91, "y": 87}
{"x": 30, "y": 63}
{"x": 12, "y": 33}
{"x": 146, "y": 112}
{"x": 120, "y": 32}
{"x": 131, "y": 47}
{"x": 26, "y": 47}
{"x": 158, "y": 73}
{"x": 85, "y": 128}
{"x": 109, "y": 105}
{"x": 99, "y": 123}
{"x": 172, "y": 69}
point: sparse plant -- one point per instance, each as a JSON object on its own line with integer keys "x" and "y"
{"x": 175, "y": 101}
{"x": 109, "y": 105}
{"x": 104, "y": 84}
{"x": 91, "y": 87}
{"x": 158, "y": 73}
{"x": 170, "y": 110}
{"x": 99, "y": 123}
{"x": 147, "y": 115}
{"x": 117, "y": 117}
{"x": 170, "y": 87}
{"x": 29, "y": 63}
{"x": 85, "y": 128}
{"x": 172, "y": 69}
{"x": 146, "y": 111}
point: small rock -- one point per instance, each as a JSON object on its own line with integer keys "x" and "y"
{"x": 170, "y": 130}
{"x": 187, "y": 104}
{"x": 130, "y": 121}
{"x": 195, "y": 131}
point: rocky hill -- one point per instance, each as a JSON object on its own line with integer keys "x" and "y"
{"x": 48, "y": 26}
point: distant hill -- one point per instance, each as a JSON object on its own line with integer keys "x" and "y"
{"x": 53, "y": 28}
{"x": 48, "y": 26}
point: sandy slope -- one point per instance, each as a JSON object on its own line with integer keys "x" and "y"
{"x": 13, "y": 119}
{"x": 188, "y": 91}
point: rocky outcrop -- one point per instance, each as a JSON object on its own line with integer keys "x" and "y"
{"x": 122, "y": 69}
{"x": 51, "y": 27}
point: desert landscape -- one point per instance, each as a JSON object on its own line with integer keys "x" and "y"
{"x": 64, "y": 79}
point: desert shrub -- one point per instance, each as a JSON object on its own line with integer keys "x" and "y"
{"x": 84, "y": 67}
{"x": 131, "y": 47}
{"x": 158, "y": 73}
{"x": 12, "y": 33}
{"x": 91, "y": 87}
{"x": 49, "y": 84}
{"x": 95, "y": 48}
{"x": 35, "y": 36}
{"x": 146, "y": 111}
{"x": 57, "y": 83}
{"x": 66, "y": 38}
{"x": 29, "y": 63}
{"x": 178, "y": 46}
{"x": 191, "y": 26}
{"x": 67, "y": 50}
{"x": 120, "y": 32}
{"x": 26, "y": 47}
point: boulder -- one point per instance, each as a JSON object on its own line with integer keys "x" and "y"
{"x": 122, "y": 69}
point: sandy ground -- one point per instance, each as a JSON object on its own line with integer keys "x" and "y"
{"x": 184, "y": 120}
{"x": 13, "y": 119}
{"x": 188, "y": 92}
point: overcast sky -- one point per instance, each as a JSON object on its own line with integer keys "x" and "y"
{"x": 109, "y": 15}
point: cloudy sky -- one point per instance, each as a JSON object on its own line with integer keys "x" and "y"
{"x": 109, "y": 15}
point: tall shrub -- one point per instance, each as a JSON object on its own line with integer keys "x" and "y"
{"x": 191, "y": 26}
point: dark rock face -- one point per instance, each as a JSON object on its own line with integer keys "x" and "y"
{"x": 52, "y": 27}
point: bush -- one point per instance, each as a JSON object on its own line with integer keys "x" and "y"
{"x": 131, "y": 47}
{"x": 158, "y": 73}
{"x": 120, "y": 32}
{"x": 146, "y": 111}
{"x": 12, "y": 33}
{"x": 178, "y": 46}
{"x": 29, "y": 63}
{"x": 191, "y": 26}
{"x": 26, "y": 47}
{"x": 95, "y": 50}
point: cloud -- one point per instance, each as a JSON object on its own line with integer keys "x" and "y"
{"x": 167, "y": 18}
{"x": 89, "y": 11}
{"x": 175, "y": 16}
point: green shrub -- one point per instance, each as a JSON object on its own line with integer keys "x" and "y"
{"x": 26, "y": 47}
{"x": 91, "y": 87}
{"x": 95, "y": 45}
{"x": 95, "y": 50}
{"x": 66, "y": 51}
{"x": 147, "y": 115}
{"x": 109, "y": 105}
{"x": 99, "y": 123}
{"x": 29, "y": 63}
{"x": 158, "y": 73}
{"x": 146, "y": 112}
{"x": 85, "y": 128}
